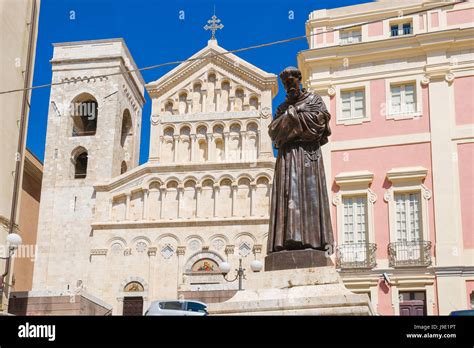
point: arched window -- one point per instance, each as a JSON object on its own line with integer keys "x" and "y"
{"x": 225, "y": 92}
{"x": 183, "y": 104}
{"x": 79, "y": 160}
{"x": 211, "y": 77}
{"x": 253, "y": 103}
{"x": 84, "y": 112}
{"x": 169, "y": 107}
{"x": 123, "y": 167}
{"x": 197, "y": 98}
{"x": 126, "y": 127}
{"x": 239, "y": 99}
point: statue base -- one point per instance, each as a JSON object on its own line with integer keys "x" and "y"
{"x": 304, "y": 291}
{"x": 293, "y": 259}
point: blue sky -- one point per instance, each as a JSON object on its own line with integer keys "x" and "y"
{"x": 155, "y": 34}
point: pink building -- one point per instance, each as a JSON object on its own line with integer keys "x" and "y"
{"x": 398, "y": 77}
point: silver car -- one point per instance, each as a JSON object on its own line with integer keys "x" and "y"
{"x": 176, "y": 307}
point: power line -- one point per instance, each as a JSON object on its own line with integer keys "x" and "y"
{"x": 248, "y": 48}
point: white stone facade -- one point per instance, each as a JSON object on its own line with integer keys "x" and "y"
{"x": 203, "y": 195}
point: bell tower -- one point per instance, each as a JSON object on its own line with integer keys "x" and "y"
{"x": 93, "y": 135}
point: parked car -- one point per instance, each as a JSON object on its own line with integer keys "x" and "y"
{"x": 173, "y": 307}
{"x": 469, "y": 312}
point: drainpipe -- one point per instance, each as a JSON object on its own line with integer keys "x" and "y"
{"x": 21, "y": 137}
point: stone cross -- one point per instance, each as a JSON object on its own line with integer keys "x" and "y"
{"x": 213, "y": 26}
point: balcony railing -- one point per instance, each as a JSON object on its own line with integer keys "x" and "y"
{"x": 409, "y": 254}
{"x": 356, "y": 256}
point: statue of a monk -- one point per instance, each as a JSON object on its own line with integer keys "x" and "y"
{"x": 299, "y": 217}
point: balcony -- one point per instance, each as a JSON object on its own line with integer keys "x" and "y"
{"x": 409, "y": 254}
{"x": 356, "y": 256}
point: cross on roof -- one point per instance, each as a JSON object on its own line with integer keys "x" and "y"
{"x": 214, "y": 25}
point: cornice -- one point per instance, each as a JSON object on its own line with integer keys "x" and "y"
{"x": 175, "y": 168}
{"x": 251, "y": 220}
{"x": 232, "y": 67}
{"x": 388, "y": 47}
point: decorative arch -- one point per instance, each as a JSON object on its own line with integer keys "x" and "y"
{"x": 253, "y": 102}
{"x": 211, "y": 255}
{"x": 168, "y": 106}
{"x": 168, "y": 235}
{"x": 207, "y": 177}
{"x": 185, "y": 129}
{"x": 222, "y": 236}
{"x": 183, "y": 102}
{"x": 150, "y": 181}
{"x": 245, "y": 234}
{"x": 131, "y": 279}
{"x": 115, "y": 240}
{"x": 169, "y": 129}
{"x": 226, "y": 178}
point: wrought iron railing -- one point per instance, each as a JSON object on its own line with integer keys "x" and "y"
{"x": 356, "y": 256}
{"x": 406, "y": 254}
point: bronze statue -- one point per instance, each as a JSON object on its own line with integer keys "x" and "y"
{"x": 300, "y": 216}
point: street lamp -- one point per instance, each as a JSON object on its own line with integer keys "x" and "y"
{"x": 224, "y": 267}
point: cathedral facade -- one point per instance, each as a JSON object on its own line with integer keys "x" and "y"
{"x": 125, "y": 232}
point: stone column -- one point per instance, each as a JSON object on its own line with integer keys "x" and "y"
{"x": 198, "y": 198}
{"x": 226, "y": 146}
{"x": 234, "y": 194}
{"x": 111, "y": 207}
{"x": 253, "y": 188}
{"x": 127, "y": 207}
{"x": 259, "y": 146}
{"x": 160, "y": 150}
{"x": 193, "y": 147}
{"x": 180, "y": 199}
{"x": 145, "y": 204}
{"x": 216, "y": 196}
{"x": 162, "y": 197}
{"x": 243, "y": 140}
{"x": 175, "y": 148}
{"x": 211, "y": 148}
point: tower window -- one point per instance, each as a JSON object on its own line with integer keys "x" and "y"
{"x": 80, "y": 165}
{"x": 126, "y": 127}
{"x": 84, "y": 115}
{"x": 123, "y": 167}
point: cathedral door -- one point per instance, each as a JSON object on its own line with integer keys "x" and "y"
{"x": 133, "y": 306}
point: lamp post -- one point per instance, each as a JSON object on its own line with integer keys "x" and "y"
{"x": 13, "y": 241}
{"x": 255, "y": 265}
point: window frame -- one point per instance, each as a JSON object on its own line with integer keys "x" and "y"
{"x": 400, "y": 27}
{"x": 408, "y": 180}
{"x": 350, "y": 36}
{"x": 408, "y": 217}
{"x": 352, "y": 88}
{"x": 353, "y": 184}
{"x": 418, "y": 97}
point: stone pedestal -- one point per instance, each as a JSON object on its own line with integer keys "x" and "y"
{"x": 292, "y": 259}
{"x": 303, "y": 291}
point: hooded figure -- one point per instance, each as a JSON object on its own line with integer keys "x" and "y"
{"x": 300, "y": 215}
